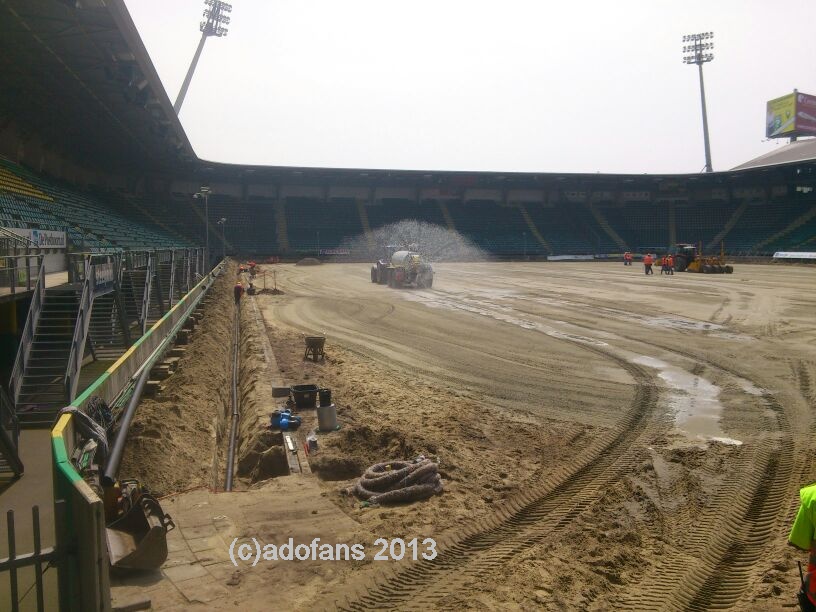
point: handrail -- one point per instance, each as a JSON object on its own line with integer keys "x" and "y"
{"x": 119, "y": 266}
{"x": 80, "y": 332}
{"x": 146, "y": 294}
{"x": 27, "y": 338}
{"x": 28, "y": 242}
{"x": 172, "y": 279}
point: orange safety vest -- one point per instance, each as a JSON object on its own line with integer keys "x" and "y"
{"x": 647, "y": 259}
{"x": 671, "y": 261}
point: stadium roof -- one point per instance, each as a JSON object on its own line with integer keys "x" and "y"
{"x": 77, "y": 74}
{"x": 799, "y": 151}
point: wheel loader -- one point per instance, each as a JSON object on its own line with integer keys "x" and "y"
{"x": 689, "y": 258}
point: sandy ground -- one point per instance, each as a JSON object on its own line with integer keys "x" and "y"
{"x": 173, "y": 442}
{"x": 607, "y": 440}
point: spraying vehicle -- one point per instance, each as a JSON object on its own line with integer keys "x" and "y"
{"x": 690, "y": 258}
{"x": 402, "y": 267}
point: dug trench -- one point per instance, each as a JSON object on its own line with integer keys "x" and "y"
{"x": 176, "y": 441}
{"x": 180, "y": 436}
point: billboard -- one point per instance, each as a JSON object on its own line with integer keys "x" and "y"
{"x": 805, "y": 114}
{"x": 791, "y": 115}
{"x": 45, "y": 239}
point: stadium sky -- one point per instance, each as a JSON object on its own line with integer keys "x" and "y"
{"x": 517, "y": 85}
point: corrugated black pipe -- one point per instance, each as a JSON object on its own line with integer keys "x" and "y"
{"x": 118, "y": 448}
{"x": 235, "y": 416}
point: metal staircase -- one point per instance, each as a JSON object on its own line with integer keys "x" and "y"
{"x": 109, "y": 335}
{"x": 42, "y": 390}
{"x": 110, "y": 301}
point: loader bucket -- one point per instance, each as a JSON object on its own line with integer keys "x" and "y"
{"x": 138, "y": 540}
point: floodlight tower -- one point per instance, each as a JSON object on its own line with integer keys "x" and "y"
{"x": 214, "y": 26}
{"x": 698, "y": 51}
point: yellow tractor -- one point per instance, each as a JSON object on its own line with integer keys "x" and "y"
{"x": 690, "y": 258}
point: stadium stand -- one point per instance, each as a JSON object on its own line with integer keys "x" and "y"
{"x": 560, "y": 229}
{"x": 313, "y": 224}
{"x": 702, "y": 221}
{"x": 392, "y": 210}
{"x": 642, "y": 225}
{"x": 500, "y": 230}
{"x": 92, "y": 222}
{"x": 760, "y": 221}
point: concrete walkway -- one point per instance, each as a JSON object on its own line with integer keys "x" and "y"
{"x": 199, "y": 575}
{"x": 53, "y": 279}
{"x": 33, "y": 488}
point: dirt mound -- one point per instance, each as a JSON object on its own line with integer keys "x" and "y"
{"x": 355, "y": 448}
{"x": 386, "y": 414}
{"x": 173, "y": 442}
{"x": 308, "y": 261}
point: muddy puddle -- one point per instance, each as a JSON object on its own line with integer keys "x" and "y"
{"x": 694, "y": 401}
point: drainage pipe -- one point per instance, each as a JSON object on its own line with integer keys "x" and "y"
{"x": 236, "y": 333}
{"x": 118, "y": 448}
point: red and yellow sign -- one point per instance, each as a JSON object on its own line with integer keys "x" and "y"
{"x": 791, "y": 115}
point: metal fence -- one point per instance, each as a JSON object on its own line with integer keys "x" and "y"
{"x": 41, "y": 559}
{"x": 18, "y": 272}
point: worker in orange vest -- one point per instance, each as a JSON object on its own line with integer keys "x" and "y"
{"x": 648, "y": 260}
{"x": 664, "y": 263}
{"x": 670, "y": 264}
{"x": 627, "y": 259}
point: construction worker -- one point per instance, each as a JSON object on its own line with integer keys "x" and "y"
{"x": 627, "y": 259}
{"x": 648, "y": 260}
{"x": 803, "y": 536}
{"x": 238, "y": 291}
{"x": 670, "y": 264}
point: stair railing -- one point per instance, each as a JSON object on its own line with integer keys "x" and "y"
{"x": 117, "y": 298}
{"x": 27, "y": 338}
{"x": 146, "y": 294}
{"x": 9, "y": 434}
{"x": 172, "y": 287}
{"x": 80, "y": 333}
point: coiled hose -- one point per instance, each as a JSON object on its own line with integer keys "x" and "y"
{"x": 399, "y": 481}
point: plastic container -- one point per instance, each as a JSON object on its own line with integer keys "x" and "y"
{"x": 305, "y": 396}
{"x": 327, "y": 418}
{"x": 325, "y": 397}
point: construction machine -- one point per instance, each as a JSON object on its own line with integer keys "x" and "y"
{"x": 690, "y": 258}
{"x": 135, "y": 525}
{"x": 402, "y": 267}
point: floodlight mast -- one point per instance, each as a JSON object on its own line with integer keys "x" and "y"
{"x": 698, "y": 51}
{"x": 214, "y": 26}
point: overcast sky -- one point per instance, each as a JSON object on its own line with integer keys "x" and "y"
{"x": 511, "y": 85}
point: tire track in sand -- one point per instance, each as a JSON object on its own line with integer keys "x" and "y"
{"x": 728, "y": 549}
{"x": 485, "y": 547}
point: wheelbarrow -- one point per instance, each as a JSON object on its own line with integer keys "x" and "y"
{"x": 314, "y": 347}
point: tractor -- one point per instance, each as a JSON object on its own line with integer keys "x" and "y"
{"x": 402, "y": 267}
{"x": 689, "y": 258}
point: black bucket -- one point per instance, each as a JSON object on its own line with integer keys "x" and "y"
{"x": 305, "y": 396}
{"x": 325, "y": 397}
